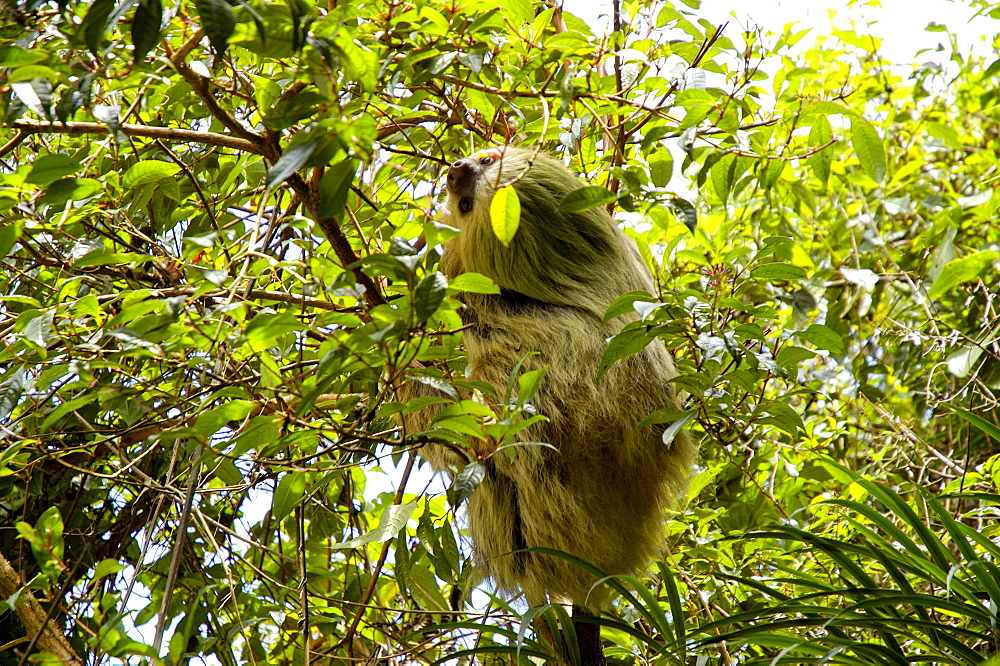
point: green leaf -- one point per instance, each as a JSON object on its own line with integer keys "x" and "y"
{"x": 661, "y": 168}
{"x": 671, "y": 431}
{"x": 145, "y": 30}
{"x": 390, "y": 523}
{"x": 685, "y": 210}
{"x": 820, "y": 134}
{"x": 424, "y": 588}
{"x": 626, "y": 304}
{"x": 630, "y": 341}
{"x": 475, "y": 283}
{"x": 778, "y": 271}
{"x": 14, "y": 56}
{"x": 824, "y": 337}
{"x": 95, "y": 24}
{"x": 869, "y": 148}
{"x": 290, "y": 162}
{"x": 218, "y": 21}
{"x": 335, "y": 188}
{"x": 10, "y": 233}
{"x": 70, "y": 189}
{"x": 960, "y": 271}
{"x": 791, "y": 355}
{"x": 725, "y": 173}
{"x": 38, "y": 328}
{"x": 288, "y": 112}
{"x": 586, "y": 198}
{"x": 106, "y": 568}
{"x": 975, "y": 419}
{"x": 287, "y": 494}
{"x": 261, "y": 431}
{"x": 505, "y": 214}
{"x": 781, "y": 415}
{"x": 428, "y": 295}
{"x": 51, "y": 167}
{"x": 771, "y": 172}
{"x": 148, "y": 171}
{"x": 528, "y": 384}
{"x": 267, "y": 326}
{"x": 466, "y": 482}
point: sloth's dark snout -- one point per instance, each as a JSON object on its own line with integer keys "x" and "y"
{"x": 461, "y": 177}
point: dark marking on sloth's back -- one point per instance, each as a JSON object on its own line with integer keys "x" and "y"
{"x": 507, "y": 302}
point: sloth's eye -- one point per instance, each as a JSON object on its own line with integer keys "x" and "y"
{"x": 486, "y": 160}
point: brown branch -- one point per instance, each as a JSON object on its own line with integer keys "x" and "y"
{"x": 26, "y": 126}
{"x": 200, "y": 84}
{"x": 34, "y": 618}
{"x": 337, "y": 237}
{"x": 13, "y": 143}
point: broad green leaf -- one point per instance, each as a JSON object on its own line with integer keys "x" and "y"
{"x": 670, "y": 432}
{"x": 287, "y": 494}
{"x": 12, "y": 56}
{"x": 475, "y": 283}
{"x": 791, "y": 355}
{"x": 824, "y": 337}
{"x": 505, "y": 214}
{"x": 466, "y": 482}
{"x": 428, "y": 295}
{"x": 96, "y": 24}
{"x": 723, "y": 174}
{"x": 145, "y": 29}
{"x": 661, "y": 168}
{"x": 779, "y": 414}
{"x": 424, "y": 588}
{"x": 51, "y": 167}
{"x": 65, "y": 408}
{"x": 586, "y": 198}
{"x": 335, "y": 188}
{"x": 38, "y": 327}
{"x": 390, "y": 523}
{"x": 528, "y": 384}
{"x": 778, "y": 271}
{"x": 10, "y": 232}
{"x": 630, "y": 341}
{"x": 218, "y": 22}
{"x": 869, "y": 148}
{"x": 946, "y": 133}
{"x": 148, "y": 171}
{"x": 966, "y": 269}
{"x": 261, "y": 430}
{"x": 70, "y": 189}
{"x": 290, "y": 162}
{"x": 107, "y": 568}
{"x": 686, "y": 211}
{"x": 771, "y": 172}
{"x": 267, "y": 326}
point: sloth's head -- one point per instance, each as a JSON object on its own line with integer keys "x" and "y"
{"x": 576, "y": 259}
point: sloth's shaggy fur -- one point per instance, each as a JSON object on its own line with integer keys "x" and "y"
{"x": 601, "y": 496}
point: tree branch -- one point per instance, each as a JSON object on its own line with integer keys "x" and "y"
{"x": 34, "y": 618}
{"x": 146, "y": 131}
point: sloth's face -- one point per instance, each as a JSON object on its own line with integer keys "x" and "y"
{"x": 472, "y": 181}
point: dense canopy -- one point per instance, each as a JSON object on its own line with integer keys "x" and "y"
{"x": 221, "y": 226}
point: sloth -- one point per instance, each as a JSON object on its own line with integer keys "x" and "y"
{"x": 599, "y": 490}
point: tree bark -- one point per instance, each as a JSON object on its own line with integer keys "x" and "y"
{"x": 43, "y": 634}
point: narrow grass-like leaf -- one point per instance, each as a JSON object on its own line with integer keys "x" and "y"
{"x": 978, "y": 421}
